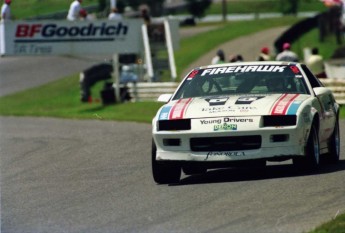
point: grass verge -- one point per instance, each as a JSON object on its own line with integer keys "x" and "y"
{"x": 61, "y": 99}
{"x": 337, "y": 225}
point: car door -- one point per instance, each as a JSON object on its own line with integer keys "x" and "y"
{"x": 327, "y": 103}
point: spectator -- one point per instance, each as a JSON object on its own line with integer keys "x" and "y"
{"x": 145, "y": 14}
{"x": 236, "y": 58}
{"x": 219, "y": 58}
{"x": 74, "y": 10}
{"x": 316, "y": 64}
{"x": 83, "y": 14}
{"x": 264, "y": 54}
{"x": 114, "y": 15}
{"x": 287, "y": 54}
{"x": 128, "y": 75}
{"x": 239, "y": 58}
{"x": 6, "y": 10}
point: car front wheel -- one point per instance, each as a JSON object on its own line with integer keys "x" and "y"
{"x": 311, "y": 161}
{"x": 164, "y": 172}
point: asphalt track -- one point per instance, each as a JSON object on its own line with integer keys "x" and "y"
{"x": 95, "y": 176}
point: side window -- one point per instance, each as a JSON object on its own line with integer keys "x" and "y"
{"x": 314, "y": 82}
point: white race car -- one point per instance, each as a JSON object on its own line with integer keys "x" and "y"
{"x": 244, "y": 114}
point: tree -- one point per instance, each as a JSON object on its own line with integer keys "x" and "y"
{"x": 289, "y": 7}
{"x": 198, "y": 7}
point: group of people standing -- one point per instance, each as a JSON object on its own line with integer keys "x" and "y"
{"x": 314, "y": 61}
{"x": 77, "y": 12}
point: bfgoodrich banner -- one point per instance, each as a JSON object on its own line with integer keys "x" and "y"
{"x": 30, "y": 38}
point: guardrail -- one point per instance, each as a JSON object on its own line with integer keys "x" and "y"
{"x": 338, "y": 88}
{"x": 151, "y": 91}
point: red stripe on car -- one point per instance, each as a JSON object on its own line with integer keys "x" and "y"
{"x": 179, "y": 108}
{"x": 283, "y": 103}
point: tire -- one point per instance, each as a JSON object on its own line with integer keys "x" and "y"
{"x": 193, "y": 170}
{"x": 164, "y": 172}
{"x": 311, "y": 160}
{"x": 334, "y": 145}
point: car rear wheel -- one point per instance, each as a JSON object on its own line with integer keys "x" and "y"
{"x": 164, "y": 172}
{"x": 334, "y": 145}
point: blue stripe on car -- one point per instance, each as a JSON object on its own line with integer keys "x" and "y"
{"x": 293, "y": 108}
{"x": 164, "y": 114}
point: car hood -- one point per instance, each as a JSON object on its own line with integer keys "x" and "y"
{"x": 216, "y": 106}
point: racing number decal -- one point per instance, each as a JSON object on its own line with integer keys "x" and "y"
{"x": 217, "y": 101}
{"x": 248, "y": 99}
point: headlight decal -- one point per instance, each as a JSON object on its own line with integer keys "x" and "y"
{"x": 279, "y": 120}
{"x": 170, "y": 125}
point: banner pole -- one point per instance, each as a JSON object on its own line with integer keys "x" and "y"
{"x": 116, "y": 77}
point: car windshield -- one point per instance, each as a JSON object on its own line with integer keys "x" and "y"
{"x": 243, "y": 79}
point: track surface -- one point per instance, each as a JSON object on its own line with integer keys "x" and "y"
{"x": 95, "y": 176}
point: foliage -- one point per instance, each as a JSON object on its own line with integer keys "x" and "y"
{"x": 289, "y": 7}
{"x": 197, "y": 8}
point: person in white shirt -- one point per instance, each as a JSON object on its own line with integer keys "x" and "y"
{"x": 287, "y": 54}
{"x": 74, "y": 10}
{"x": 114, "y": 15}
{"x": 316, "y": 64}
{"x": 5, "y": 10}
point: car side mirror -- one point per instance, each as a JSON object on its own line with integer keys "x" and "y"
{"x": 319, "y": 91}
{"x": 164, "y": 98}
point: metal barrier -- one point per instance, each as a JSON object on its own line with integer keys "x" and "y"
{"x": 150, "y": 91}
{"x": 338, "y": 88}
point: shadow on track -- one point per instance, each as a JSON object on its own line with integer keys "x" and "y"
{"x": 248, "y": 174}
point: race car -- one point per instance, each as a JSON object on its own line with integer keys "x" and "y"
{"x": 244, "y": 114}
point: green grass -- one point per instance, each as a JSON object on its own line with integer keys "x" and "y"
{"x": 194, "y": 47}
{"x": 61, "y": 99}
{"x": 310, "y": 39}
{"x": 337, "y": 225}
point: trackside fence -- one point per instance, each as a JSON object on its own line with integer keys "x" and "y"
{"x": 150, "y": 91}
{"x": 338, "y": 88}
